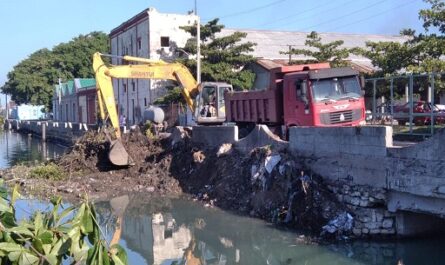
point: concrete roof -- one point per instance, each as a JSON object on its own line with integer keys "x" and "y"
{"x": 270, "y": 43}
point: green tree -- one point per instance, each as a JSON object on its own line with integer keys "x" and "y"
{"x": 319, "y": 52}
{"x": 32, "y": 80}
{"x": 223, "y": 58}
{"x": 419, "y": 53}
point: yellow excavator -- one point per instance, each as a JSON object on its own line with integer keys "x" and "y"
{"x": 205, "y": 100}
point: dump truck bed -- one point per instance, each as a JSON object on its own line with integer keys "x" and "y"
{"x": 262, "y": 106}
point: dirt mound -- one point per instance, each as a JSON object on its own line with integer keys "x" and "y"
{"x": 90, "y": 171}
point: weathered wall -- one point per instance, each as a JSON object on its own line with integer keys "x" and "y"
{"x": 411, "y": 178}
{"x": 214, "y": 136}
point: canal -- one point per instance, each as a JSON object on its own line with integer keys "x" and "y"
{"x": 167, "y": 231}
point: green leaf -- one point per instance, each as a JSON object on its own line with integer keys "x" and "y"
{"x": 38, "y": 222}
{"x": 28, "y": 259}
{"x": 65, "y": 213}
{"x": 10, "y": 247}
{"x": 52, "y": 259}
{"x": 15, "y": 195}
{"x": 87, "y": 222}
{"x": 46, "y": 248}
{"x": 92, "y": 254}
{"x": 3, "y": 193}
{"x": 7, "y": 219}
{"x": 119, "y": 252}
{"x": 21, "y": 230}
{"x": 14, "y": 256}
{"x": 46, "y": 237}
{"x": 37, "y": 244}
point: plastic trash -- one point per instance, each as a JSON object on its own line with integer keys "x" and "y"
{"x": 341, "y": 223}
{"x": 271, "y": 161}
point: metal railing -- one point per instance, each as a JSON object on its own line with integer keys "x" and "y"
{"x": 413, "y": 84}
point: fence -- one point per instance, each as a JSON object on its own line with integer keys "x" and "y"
{"x": 412, "y": 102}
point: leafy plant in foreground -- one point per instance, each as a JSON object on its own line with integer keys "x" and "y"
{"x": 62, "y": 234}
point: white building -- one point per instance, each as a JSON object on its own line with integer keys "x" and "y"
{"x": 149, "y": 34}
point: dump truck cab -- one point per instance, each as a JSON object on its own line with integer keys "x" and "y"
{"x": 323, "y": 97}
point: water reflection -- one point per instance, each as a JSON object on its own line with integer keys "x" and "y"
{"x": 17, "y": 148}
{"x": 167, "y": 232}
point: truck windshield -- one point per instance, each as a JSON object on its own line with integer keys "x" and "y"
{"x": 336, "y": 88}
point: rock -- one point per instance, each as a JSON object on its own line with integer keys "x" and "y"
{"x": 365, "y": 231}
{"x": 374, "y": 231}
{"x": 387, "y": 223}
{"x": 357, "y": 231}
{"x": 372, "y": 225}
{"x": 364, "y": 203}
{"x": 150, "y": 189}
{"x": 355, "y": 201}
{"x": 391, "y": 231}
{"x": 380, "y": 196}
{"x": 224, "y": 149}
{"x": 198, "y": 157}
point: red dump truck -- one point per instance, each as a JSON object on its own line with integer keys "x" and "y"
{"x": 301, "y": 95}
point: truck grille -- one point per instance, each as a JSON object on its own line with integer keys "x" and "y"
{"x": 340, "y": 117}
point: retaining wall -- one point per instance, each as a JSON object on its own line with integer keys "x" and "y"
{"x": 66, "y": 132}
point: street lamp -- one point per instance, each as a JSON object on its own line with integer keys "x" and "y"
{"x": 198, "y": 45}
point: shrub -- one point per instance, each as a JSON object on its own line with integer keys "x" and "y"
{"x": 49, "y": 171}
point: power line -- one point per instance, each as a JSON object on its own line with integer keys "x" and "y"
{"x": 343, "y": 16}
{"x": 373, "y": 16}
{"x": 305, "y": 11}
{"x": 250, "y": 10}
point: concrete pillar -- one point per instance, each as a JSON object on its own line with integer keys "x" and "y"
{"x": 43, "y": 131}
{"x": 407, "y": 93}
{"x": 429, "y": 94}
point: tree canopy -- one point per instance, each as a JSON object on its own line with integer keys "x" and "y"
{"x": 32, "y": 80}
{"x": 223, "y": 58}
{"x": 420, "y": 52}
{"x": 319, "y": 52}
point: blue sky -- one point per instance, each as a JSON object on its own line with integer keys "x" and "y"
{"x": 28, "y": 25}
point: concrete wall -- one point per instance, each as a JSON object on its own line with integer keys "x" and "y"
{"x": 412, "y": 178}
{"x": 65, "y": 132}
{"x": 214, "y": 136}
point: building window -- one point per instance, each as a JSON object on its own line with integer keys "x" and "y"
{"x": 139, "y": 43}
{"x": 145, "y": 102}
{"x": 125, "y": 88}
{"x": 133, "y": 86}
{"x": 165, "y": 41}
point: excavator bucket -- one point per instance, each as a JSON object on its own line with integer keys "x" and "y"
{"x": 118, "y": 156}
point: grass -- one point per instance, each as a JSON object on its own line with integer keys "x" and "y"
{"x": 49, "y": 171}
{"x": 419, "y": 133}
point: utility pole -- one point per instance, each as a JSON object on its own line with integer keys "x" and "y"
{"x": 198, "y": 47}
{"x": 7, "y": 106}
{"x": 290, "y": 54}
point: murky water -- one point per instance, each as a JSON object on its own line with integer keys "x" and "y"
{"x": 178, "y": 231}
{"x": 16, "y": 148}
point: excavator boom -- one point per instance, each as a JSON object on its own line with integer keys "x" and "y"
{"x": 149, "y": 69}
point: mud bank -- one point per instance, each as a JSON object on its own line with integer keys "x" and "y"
{"x": 265, "y": 183}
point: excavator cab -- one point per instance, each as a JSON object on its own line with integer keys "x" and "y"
{"x": 210, "y": 103}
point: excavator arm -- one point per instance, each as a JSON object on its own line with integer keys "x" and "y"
{"x": 148, "y": 69}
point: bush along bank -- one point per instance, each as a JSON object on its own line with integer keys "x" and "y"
{"x": 269, "y": 184}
